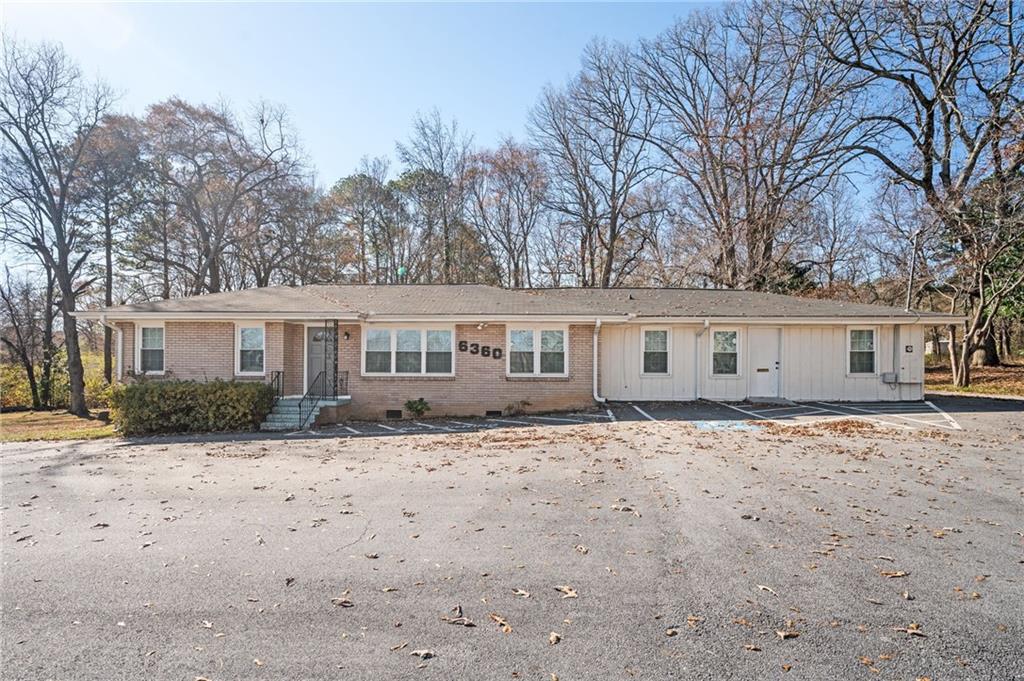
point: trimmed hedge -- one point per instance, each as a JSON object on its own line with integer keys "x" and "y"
{"x": 149, "y": 407}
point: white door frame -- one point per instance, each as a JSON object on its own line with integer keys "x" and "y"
{"x": 753, "y": 349}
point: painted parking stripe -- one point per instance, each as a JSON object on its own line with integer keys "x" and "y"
{"x": 466, "y": 425}
{"x": 952, "y": 421}
{"x": 553, "y": 418}
{"x": 432, "y": 427}
{"x": 643, "y": 413}
{"x": 899, "y": 416}
{"x": 611, "y": 416}
{"x": 352, "y": 430}
{"x": 518, "y": 423}
{"x": 833, "y": 411}
{"x": 388, "y": 427}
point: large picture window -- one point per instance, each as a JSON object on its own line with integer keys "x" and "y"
{"x": 725, "y": 352}
{"x": 151, "y": 352}
{"x": 862, "y": 351}
{"x": 538, "y": 352}
{"x": 655, "y": 351}
{"x": 408, "y": 351}
{"x": 250, "y": 349}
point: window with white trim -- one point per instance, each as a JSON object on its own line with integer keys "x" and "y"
{"x": 151, "y": 349}
{"x": 408, "y": 351}
{"x": 249, "y": 349}
{"x": 538, "y": 352}
{"x": 655, "y": 352}
{"x": 862, "y": 351}
{"x": 725, "y": 352}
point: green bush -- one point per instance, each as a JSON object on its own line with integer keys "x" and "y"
{"x": 149, "y": 407}
{"x": 417, "y": 407}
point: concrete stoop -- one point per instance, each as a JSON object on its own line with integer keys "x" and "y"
{"x": 285, "y": 415}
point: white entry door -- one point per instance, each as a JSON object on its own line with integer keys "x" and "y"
{"x": 763, "y": 346}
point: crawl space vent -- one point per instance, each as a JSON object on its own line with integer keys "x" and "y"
{"x": 393, "y": 414}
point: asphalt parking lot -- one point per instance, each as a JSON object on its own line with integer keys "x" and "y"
{"x": 606, "y": 549}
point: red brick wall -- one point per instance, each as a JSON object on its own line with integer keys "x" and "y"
{"x": 479, "y": 384}
{"x": 205, "y": 351}
{"x": 128, "y": 349}
{"x": 294, "y": 349}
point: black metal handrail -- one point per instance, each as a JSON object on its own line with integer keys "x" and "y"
{"x": 325, "y": 386}
{"x": 277, "y": 384}
{"x": 318, "y": 390}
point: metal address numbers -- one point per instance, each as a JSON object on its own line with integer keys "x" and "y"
{"x": 482, "y": 350}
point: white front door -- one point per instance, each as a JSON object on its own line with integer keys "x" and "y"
{"x": 763, "y": 346}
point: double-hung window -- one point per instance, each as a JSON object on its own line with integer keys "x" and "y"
{"x": 249, "y": 349}
{"x": 538, "y": 352}
{"x": 408, "y": 351}
{"x": 862, "y": 351}
{"x": 655, "y": 352}
{"x": 151, "y": 349}
{"x": 725, "y": 352}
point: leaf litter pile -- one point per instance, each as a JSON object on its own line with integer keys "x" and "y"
{"x": 628, "y": 550}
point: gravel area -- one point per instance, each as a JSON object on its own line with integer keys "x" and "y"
{"x": 626, "y": 550}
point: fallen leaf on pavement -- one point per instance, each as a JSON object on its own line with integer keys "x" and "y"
{"x": 567, "y": 591}
{"x": 423, "y": 654}
{"x": 554, "y": 638}
{"x": 502, "y": 623}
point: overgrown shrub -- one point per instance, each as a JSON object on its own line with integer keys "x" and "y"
{"x": 149, "y": 407}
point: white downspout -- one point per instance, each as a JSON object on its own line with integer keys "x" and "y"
{"x": 597, "y": 330}
{"x": 696, "y": 359}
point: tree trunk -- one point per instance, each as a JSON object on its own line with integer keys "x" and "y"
{"x": 76, "y": 372}
{"x": 987, "y": 355}
{"x": 46, "y": 370}
{"x": 108, "y": 293}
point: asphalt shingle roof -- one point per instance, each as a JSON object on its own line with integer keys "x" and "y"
{"x": 479, "y": 299}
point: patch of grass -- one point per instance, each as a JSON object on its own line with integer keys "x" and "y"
{"x": 1004, "y": 380}
{"x": 22, "y": 426}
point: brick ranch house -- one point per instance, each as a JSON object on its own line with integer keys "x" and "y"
{"x": 474, "y": 349}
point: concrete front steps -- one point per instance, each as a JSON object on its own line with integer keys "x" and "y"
{"x": 285, "y": 415}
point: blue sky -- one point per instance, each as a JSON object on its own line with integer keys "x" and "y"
{"x": 352, "y": 76}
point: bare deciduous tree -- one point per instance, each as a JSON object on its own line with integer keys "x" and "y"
{"x": 507, "y": 190}
{"x": 946, "y": 106}
{"x": 48, "y": 114}
{"x": 753, "y": 123}
{"x": 593, "y": 136}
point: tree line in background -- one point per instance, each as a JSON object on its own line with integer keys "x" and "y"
{"x": 821, "y": 148}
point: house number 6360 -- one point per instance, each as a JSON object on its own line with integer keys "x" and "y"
{"x": 477, "y": 349}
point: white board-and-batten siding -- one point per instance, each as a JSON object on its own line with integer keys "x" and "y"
{"x": 813, "y": 364}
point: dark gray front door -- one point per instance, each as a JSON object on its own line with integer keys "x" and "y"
{"x": 320, "y": 354}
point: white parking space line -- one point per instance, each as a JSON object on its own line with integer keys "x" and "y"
{"x": 898, "y": 416}
{"x": 518, "y": 423}
{"x": 751, "y": 413}
{"x": 427, "y": 425}
{"x": 841, "y": 415}
{"x": 465, "y": 425}
{"x": 388, "y": 427}
{"x": 611, "y": 416}
{"x": 352, "y": 430}
{"x": 643, "y": 413}
{"x": 952, "y": 421}
{"x": 559, "y": 420}
{"x": 792, "y": 406}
